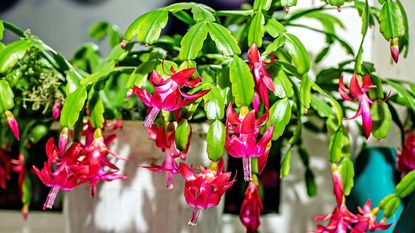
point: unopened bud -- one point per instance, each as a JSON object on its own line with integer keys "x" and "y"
{"x": 56, "y": 110}
{"x": 13, "y": 125}
{"x": 25, "y": 211}
{"x": 123, "y": 44}
{"x": 394, "y": 46}
{"x": 63, "y": 140}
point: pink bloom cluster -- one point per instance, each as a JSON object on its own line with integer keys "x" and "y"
{"x": 406, "y": 158}
{"x": 341, "y": 220}
{"x": 80, "y": 163}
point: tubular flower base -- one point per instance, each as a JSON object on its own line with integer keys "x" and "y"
{"x": 167, "y": 93}
{"x": 251, "y": 209}
{"x": 243, "y": 141}
{"x": 204, "y": 190}
{"x": 358, "y": 92}
{"x": 406, "y": 158}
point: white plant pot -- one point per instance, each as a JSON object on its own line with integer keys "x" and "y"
{"x": 140, "y": 203}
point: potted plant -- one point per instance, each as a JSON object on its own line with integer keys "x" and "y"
{"x": 250, "y": 79}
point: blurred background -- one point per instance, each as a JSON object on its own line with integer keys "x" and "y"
{"x": 64, "y": 24}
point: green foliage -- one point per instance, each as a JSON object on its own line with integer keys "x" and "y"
{"x": 279, "y": 116}
{"x": 242, "y": 82}
{"x": 183, "y": 132}
{"x": 6, "y": 96}
{"x": 391, "y": 21}
{"x": 73, "y": 105}
{"x": 193, "y": 40}
{"x": 216, "y": 139}
{"x": 148, "y": 27}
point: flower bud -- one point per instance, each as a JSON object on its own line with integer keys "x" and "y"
{"x": 123, "y": 44}
{"x": 63, "y": 140}
{"x": 394, "y": 46}
{"x": 13, "y": 125}
{"x": 56, "y": 110}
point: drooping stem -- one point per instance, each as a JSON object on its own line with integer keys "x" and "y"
{"x": 194, "y": 217}
{"x": 149, "y": 121}
{"x": 50, "y": 200}
{"x": 246, "y": 162}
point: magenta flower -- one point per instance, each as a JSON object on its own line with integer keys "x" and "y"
{"x": 406, "y": 158}
{"x": 367, "y": 220}
{"x": 358, "y": 92}
{"x": 251, "y": 209}
{"x": 96, "y": 166}
{"x": 263, "y": 80}
{"x": 5, "y": 168}
{"x": 204, "y": 190}
{"x": 57, "y": 179}
{"x": 168, "y": 95}
{"x": 241, "y": 139}
{"x": 164, "y": 138}
{"x": 12, "y": 123}
{"x": 341, "y": 219}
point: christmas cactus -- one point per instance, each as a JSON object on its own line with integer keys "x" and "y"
{"x": 243, "y": 73}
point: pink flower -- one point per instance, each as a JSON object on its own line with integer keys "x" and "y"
{"x": 164, "y": 138}
{"x": 243, "y": 141}
{"x": 13, "y": 125}
{"x": 341, "y": 219}
{"x": 168, "y": 95}
{"x": 358, "y": 92}
{"x": 406, "y": 159}
{"x": 251, "y": 209}
{"x": 5, "y": 168}
{"x": 204, "y": 190}
{"x": 262, "y": 79}
{"x": 96, "y": 166}
{"x": 57, "y": 179}
{"x": 367, "y": 220}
